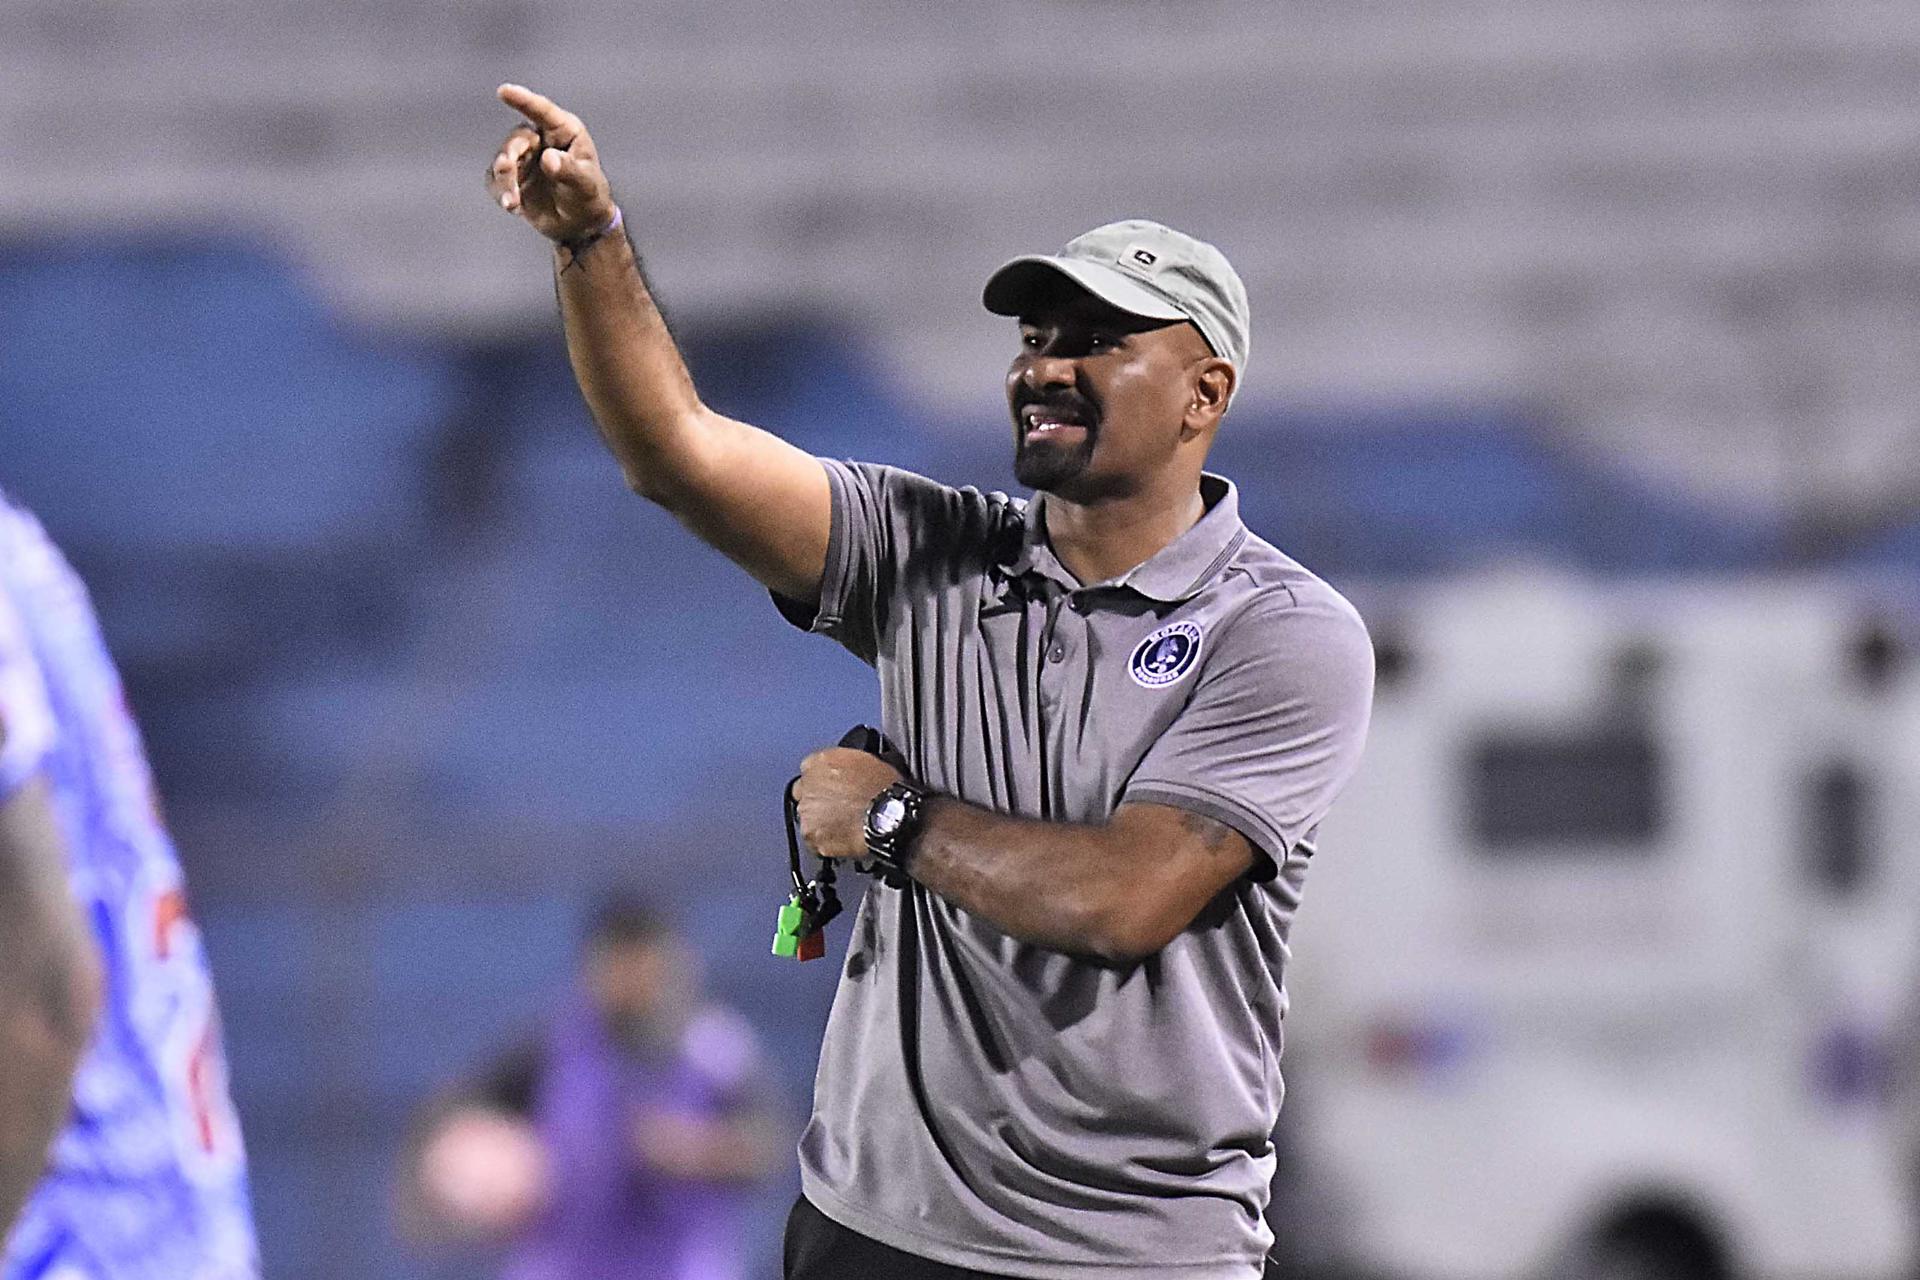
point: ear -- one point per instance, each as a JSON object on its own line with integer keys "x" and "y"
{"x": 1212, "y": 389}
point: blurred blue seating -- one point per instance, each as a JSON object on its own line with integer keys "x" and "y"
{"x": 213, "y": 447}
{"x": 184, "y": 394}
{"x": 1895, "y": 548}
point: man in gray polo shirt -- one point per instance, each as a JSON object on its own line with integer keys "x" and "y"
{"x": 1054, "y": 1049}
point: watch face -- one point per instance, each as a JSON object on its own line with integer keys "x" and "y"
{"x": 887, "y": 816}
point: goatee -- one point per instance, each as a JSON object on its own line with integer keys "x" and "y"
{"x": 1047, "y": 464}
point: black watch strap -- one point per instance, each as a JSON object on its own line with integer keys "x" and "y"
{"x": 894, "y": 818}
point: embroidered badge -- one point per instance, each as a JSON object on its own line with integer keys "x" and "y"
{"x": 1166, "y": 655}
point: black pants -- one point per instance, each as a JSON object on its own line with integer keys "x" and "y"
{"x": 818, "y": 1248}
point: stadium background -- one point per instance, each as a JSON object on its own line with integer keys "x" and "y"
{"x": 1608, "y": 289}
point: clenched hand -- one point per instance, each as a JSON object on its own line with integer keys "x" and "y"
{"x": 834, "y": 790}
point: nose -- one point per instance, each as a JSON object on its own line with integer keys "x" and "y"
{"x": 1041, "y": 370}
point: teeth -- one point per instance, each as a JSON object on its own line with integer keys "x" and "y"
{"x": 1039, "y": 419}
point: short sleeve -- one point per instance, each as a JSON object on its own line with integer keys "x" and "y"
{"x": 1274, "y": 729}
{"x": 893, "y": 531}
{"x": 26, "y": 718}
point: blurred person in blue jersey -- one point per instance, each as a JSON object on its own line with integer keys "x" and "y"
{"x": 621, "y": 1140}
{"x": 110, "y": 1038}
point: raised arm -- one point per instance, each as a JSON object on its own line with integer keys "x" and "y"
{"x": 757, "y": 499}
{"x": 49, "y": 989}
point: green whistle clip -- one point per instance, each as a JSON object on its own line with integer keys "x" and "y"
{"x": 787, "y": 933}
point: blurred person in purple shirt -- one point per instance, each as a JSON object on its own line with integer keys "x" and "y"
{"x": 621, "y": 1140}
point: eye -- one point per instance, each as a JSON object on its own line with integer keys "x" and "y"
{"x": 1031, "y": 341}
{"x": 1102, "y": 342}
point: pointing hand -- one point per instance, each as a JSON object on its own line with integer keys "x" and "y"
{"x": 548, "y": 172}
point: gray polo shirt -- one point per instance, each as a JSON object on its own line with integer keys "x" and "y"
{"x": 999, "y": 1106}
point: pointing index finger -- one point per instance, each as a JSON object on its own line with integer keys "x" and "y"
{"x": 557, "y": 126}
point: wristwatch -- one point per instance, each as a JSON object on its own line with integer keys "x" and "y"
{"x": 893, "y": 820}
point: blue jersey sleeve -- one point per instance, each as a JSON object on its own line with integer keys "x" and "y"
{"x": 26, "y": 720}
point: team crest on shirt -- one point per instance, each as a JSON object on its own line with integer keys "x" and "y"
{"x": 1165, "y": 656}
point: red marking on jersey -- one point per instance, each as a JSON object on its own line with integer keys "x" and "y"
{"x": 169, "y": 911}
{"x": 200, "y": 1089}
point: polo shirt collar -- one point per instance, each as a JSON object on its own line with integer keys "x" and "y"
{"x": 1176, "y": 572}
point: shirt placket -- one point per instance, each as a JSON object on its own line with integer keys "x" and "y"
{"x": 1062, "y": 686}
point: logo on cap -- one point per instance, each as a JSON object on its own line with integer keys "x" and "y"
{"x": 1165, "y": 656}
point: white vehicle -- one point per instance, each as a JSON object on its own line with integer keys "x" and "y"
{"x": 1599, "y": 963}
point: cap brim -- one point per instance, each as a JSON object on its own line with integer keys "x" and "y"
{"x": 1012, "y": 290}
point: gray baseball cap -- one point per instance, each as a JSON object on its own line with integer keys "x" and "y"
{"x": 1145, "y": 269}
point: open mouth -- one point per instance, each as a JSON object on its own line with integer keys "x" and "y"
{"x": 1051, "y": 422}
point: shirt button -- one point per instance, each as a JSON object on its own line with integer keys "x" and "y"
{"x": 1079, "y": 605}
{"x": 1058, "y": 654}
